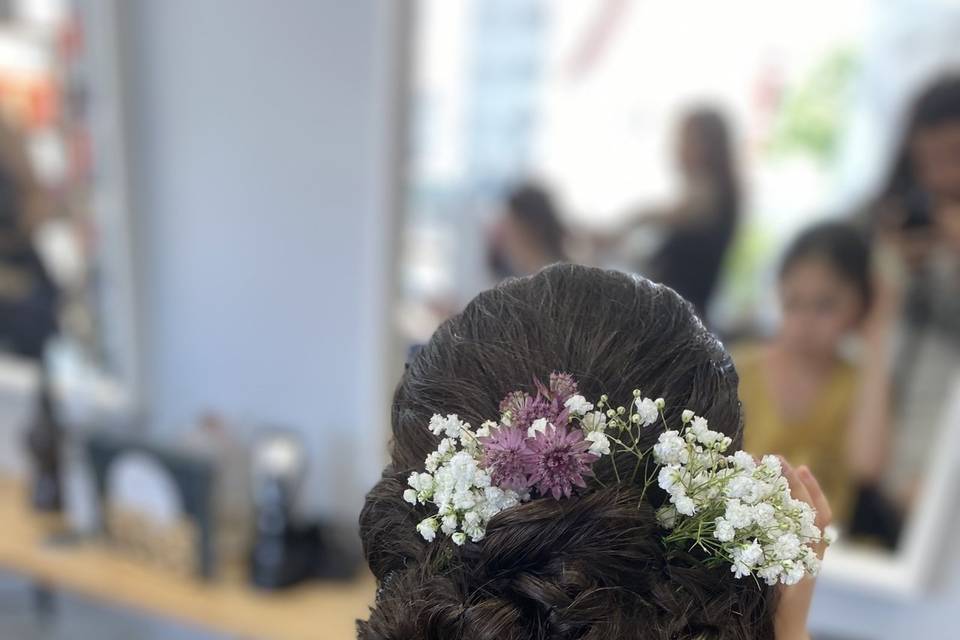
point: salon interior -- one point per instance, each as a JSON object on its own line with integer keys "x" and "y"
{"x": 226, "y": 225}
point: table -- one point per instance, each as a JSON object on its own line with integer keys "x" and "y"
{"x": 318, "y": 610}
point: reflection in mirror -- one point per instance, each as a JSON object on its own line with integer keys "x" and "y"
{"x": 801, "y": 189}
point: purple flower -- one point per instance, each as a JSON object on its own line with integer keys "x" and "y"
{"x": 513, "y": 402}
{"x": 508, "y": 456}
{"x": 535, "y": 408}
{"x": 561, "y": 460}
{"x": 562, "y": 386}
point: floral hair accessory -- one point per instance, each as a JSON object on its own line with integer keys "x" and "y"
{"x": 735, "y": 510}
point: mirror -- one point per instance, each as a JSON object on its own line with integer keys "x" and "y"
{"x": 583, "y": 131}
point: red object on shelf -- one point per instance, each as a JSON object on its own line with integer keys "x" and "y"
{"x": 32, "y": 100}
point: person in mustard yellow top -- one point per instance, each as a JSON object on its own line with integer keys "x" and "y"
{"x": 800, "y": 396}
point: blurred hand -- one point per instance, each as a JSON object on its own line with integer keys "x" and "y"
{"x": 790, "y": 621}
{"x": 890, "y": 275}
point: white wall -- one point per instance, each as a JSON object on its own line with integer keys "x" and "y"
{"x": 261, "y": 144}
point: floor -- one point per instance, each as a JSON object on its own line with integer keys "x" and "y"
{"x": 24, "y": 615}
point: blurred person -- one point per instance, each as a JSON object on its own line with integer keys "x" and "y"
{"x": 799, "y": 392}
{"x": 592, "y": 560}
{"x": 916, "y": 221}
{"x": 28, "y": 294}
{"x": 528, "y": 235}
{"x": 925, "y": 172}
{"x": 699, "y": 226}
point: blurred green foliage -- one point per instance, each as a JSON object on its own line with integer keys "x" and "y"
{"x": 813, "y": 112}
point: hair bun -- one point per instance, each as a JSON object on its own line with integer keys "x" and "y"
{"x": 587, "y": 567}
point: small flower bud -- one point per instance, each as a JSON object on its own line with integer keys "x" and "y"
{"x": 687, "y": 416}
{"x": 660, "y": 403}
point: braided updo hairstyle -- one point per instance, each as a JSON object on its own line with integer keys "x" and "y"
{"x": 589, "y": 567}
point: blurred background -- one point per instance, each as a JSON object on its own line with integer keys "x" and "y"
{"x": 224, "y": 226}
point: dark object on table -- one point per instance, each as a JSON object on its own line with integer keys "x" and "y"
{"x": 285, "y": 550}
{"x": 300, "y": 552}
{"x": 193, "y": 478}
{"x": 875, "y": 518}
{"x": 44, "y": 438}
{"x": 283, "y": 553}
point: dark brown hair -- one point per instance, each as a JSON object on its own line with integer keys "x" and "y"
{"x": 936, "y": 106}
{"x": 591, "y": 566}
{"x": 842, "y": 247}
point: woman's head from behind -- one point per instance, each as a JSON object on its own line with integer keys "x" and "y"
{"x": 591, "y": 566}
{"x": 825, "y": 288}
{"x": 532, "y": 235}
{"x": 704, "y": 145}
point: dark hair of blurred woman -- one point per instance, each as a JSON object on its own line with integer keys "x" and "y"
{"x": 701, "y": 227}
{"x": 926, "y": 167}
{"x": 529, "y": 236}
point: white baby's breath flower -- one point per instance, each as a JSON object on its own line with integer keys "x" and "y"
{"x": 808, "y": 529}
{"x": 763, "y": 514}
{"x": 599, "y": 443}
{"x": 670, "y": 449}
{"x": 810, "y": 561}
{"x": 770, "y": 573}
{"x": 428, "y": 529}
{"x": 684, "y": 504}
{"x": 539, "y": 426}
{"x": 787, "y": 547}
{"x": 830, "y": 534}
{"x": 647, "y": 411}
{"x": 578, "y": 405}
{"x": 698, "y": 425}
{"x": 739, "y": 568}
{"x": 687, "y": 416}
{"x": 739, "y": 515}
{"x": 743, "y": 461}
{"x": 454, "y": 426}
{"x": 670, "y": 479}
{"x": 438, "y": 424}
{"x": 793, "y": 572}
{"x": 594, "y": 421}
{"x": 426, "y": 482}
{"x": 484, "y": 430}
{"x": 447, "y": 445}
{"x": 724, "y": 531}
{"x": 410, "y": 495}
{"x": 449, "y": 524}
{"x": 414, "y": 481}
{"x": 459, "y": 538}
{"x": 471, "y": 518}
{"x": 771, "y": 465}
{"x": 740, "y": 486}
{"x": 752, "y": 554}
